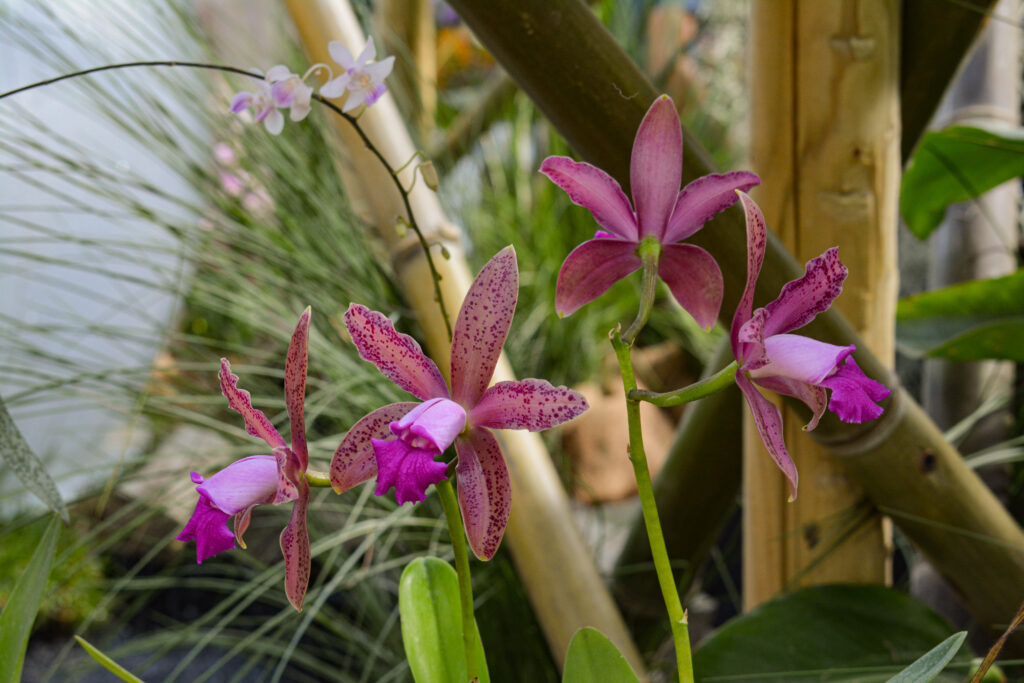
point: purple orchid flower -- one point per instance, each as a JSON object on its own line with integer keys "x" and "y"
{"x": 792, "y": 364}
{"x": 399, "y": 442}
{"x": 663, "y": 213}
{"x": 361, "y": 79}
{"x": 280, "y": 89}
{"x": 261, "y": 479}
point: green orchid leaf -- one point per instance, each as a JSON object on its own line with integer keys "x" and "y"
{"x": 967, "y": 321}
{"x": 932, "y": 662}
{"x": 954, "y": 165}
{"x": 592, "y": 657}
{"x": 107, "y": 663}
{"x": 20, "y": 612}
{"x": 861, "y": 634}
{"x": 27, "y": 466}
{"x": 428, "y": 601}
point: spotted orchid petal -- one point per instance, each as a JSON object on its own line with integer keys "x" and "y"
{"x": 757, "y": 240}
{"x": 408, "y": 469}
{"x": 695, "y": 280}
{"x": 590, "y": 270}
{"x": 768, "y": 421}
{"x": 289, "y": 475}
{"x": 295, "y": 548}
{"x": 354, "y": 461}
{"x": 396, "y": 355}
{"x": 532, "y": 404}
{"x": 596, "y": 191}
{"x": 701, "y": 199}
{"x": 804, "y": 298}
{"x": 485, "y": 491}
{"x": 256, "y": 423}
{"x": 433, "y": 424}
{"x": 656, "y": 167}
{"x": 295, "y": 367}
{"x": 854, "y": 394}
{"x": 482, "y": 326}
{"x": 813, "y": 396}
{"x": 794, "y": 356}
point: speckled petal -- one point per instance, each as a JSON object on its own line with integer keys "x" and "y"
{"x": 295, "y": 548}
{"x": 256, "y": 423}
{"x": 483, "y": 324}
{"x": 532, "y": 404}
{"x": 804, "y": 298}
{"x": 288, "y": 475}
{"x": 396, "y": 355}
{"x": 813, "y": 396}
{"x": 295, "y": 367}
{"x": 596, "y": 191}
{"x": 695, "y": 280}
{"x": 768, "y": 421}
{"x": 354, "y": 462}
{"x": 757, "y": 239}
{"x": 485, "y": 492}
{"x": 701, "y": 199}
{"x": 590, "y": 270}
{"x": 656, "y": 167}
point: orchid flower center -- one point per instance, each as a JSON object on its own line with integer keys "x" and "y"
{"x": 432, "y": 425}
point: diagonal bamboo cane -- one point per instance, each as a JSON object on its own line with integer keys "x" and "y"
{"x": 562, "y": 56}
{"x": 565, "y": 588}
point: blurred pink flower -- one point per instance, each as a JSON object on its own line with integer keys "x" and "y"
{"x": 363, "y": 81}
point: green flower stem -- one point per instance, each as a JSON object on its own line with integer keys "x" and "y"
{"x": 451, "y": 512}
{"x": 707, "y": 386}
{"x": 353, "y": 121}
{"x": 649, "y": 252}
{"x": 638, "y": 457}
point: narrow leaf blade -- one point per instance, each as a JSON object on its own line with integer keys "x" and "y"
{"x": 108, "y": 663}
{"x": 20, "y": 613}
{"x": 27, "y": 466}
{"x": 932, "y": 662}
{"x": 592, "y": 657}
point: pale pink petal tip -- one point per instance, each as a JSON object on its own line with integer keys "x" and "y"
{"x": 854, "y": 394}
{"x": 409, "y": 470}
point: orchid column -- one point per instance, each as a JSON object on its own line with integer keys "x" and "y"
{"x": 824, "y": 99}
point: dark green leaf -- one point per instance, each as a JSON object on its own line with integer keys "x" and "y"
{"x": 428, "y": 601}
{"x": 954, "y": 165}
{"x": 107, "y": 663}
{"x": 20, "y": 612}
{"x": 27, "y": 466}
{"x": 968, "y": 321}
{"x": 592, "y": 657}
{"x": 826, "y": 633}
{"x": 932, "y": 662}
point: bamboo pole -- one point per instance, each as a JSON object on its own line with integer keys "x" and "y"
{"x": 576, "y": 73}
{"x": 409, "y": 33}
{"x": 825, "y": 102}
{"x": 565, "y": 588}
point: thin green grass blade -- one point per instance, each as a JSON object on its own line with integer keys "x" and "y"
{"x": 108, "y": 663}
{"x": 20, "y": 613}
{"x": 27, "y": 466}
{"x": 932, "y": 662}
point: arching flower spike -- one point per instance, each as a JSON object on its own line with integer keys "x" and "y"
{"x": 663, "y": 214}
{"x": 792, "y": 364}
{"x": 399, "y": 442}
{"x": 261, "y": 479}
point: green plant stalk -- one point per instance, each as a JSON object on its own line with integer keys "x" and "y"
{"x": 649, "y": 251}
{"x": 707, "y": 386}
{"x": 659, "y": 552}
{"x": 450, "y": 503}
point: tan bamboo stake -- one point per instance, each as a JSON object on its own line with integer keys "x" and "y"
{"x": 556, "y": 568}
{"x": 408, "y": 30}
{"x": 825, "y": 106}
{"x": 572, "y": 68}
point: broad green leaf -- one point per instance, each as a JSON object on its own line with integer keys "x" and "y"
{"x": 26, "y": 465}
{"x": 932, "y": 662}
{"x": 954, "y": 165}
{"x": 967, "y": 321}
{"x": 592, "y": 657}
{"x": 20, "y": 612}
{"x": 864, "y": 634}
{"x": 108, "y": 663}
{"x": 428, "y": 601}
